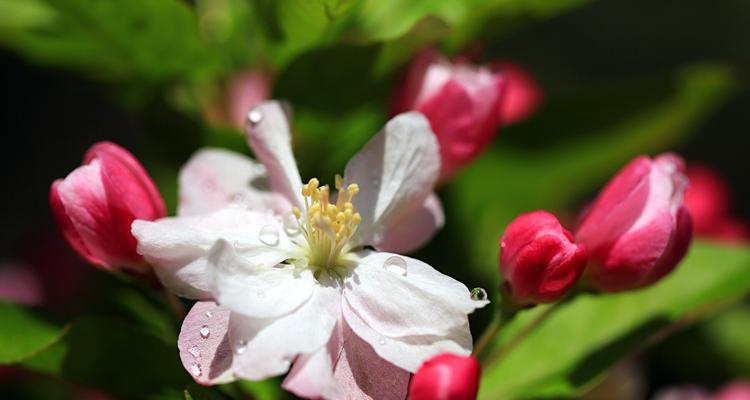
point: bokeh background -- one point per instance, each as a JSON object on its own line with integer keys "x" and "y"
{"x": 620, "y": 78}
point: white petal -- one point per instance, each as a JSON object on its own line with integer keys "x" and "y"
{"x": 215, "y": 178}
{"x": 253, "y": 290}
{"x": 271, "y": 344}
{"x": 409, "y": 352}
{"x": 414, "y": 230}
{"x": 395, "y": 171}
{"x": 420, "y": 302}
{"x": 271, "y": 140}
{"x": 178, "y": 247}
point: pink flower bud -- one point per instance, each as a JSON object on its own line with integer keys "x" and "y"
{"x": 739, "y": 390}
{"x": 446, "y": 377}
{"x": 638, "y": 229}
{"x": 539, "y": 260}
{"x": 709, "y": 202}
{"x": 522, "y": 95}
{"x": 458, "y": 99}
{"x": 96, "y": 203}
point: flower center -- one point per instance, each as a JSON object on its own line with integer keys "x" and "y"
{"x": 327, "y": 227}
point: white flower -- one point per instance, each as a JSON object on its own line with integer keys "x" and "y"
{"x": 293, "y": 268}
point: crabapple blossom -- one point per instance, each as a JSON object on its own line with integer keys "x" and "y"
{"x": 305, "y": 279}
{"x": 709, "y": 202}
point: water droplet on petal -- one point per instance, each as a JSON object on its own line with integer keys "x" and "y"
{"x": 269, "y": 235}
{"x": 194, "y": 351}
{"x": 205, "y": 331}
{"x": 236, "y": 244}
{"x": 291, "y": 226}
{"x": 254, "y": 117}
{"x": 261, "y": 294}
{"x": 478, "y": 294}
{"x": 195, "y": 369}
{"x": 209, "y": 314}
{"x": 381, "y": 341}
{"x": 240, "y": 348}
{"x": 395, "y": 264}
{"x": 237, "y": 198}
{"x": 209, "y": 186}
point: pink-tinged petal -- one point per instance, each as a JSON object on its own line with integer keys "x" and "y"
{"x": 19, "y": 284}
{"x": 245, "y": 90}
{"x": 408, "y": 352}
{"x": 204, "y": 344}
{"x": 266, "y": 347}
{"x": 67, "y": 228}
{"x": 616, "y": 208}
{"x": 739, "y": 390}
{"x": 362, "y": 374}
{"x": 270, "y": 138}
{"x": 215, "y": 178}
{"x": 687, "y": 392}
{"x": 415, "y": 229}
{"x": 428, "y": 72}
{"x": 400, "y": 296}
{"x": 522, "y": 94}
{"x": 256, "y": 290}
{"x": 446, "y": 377}
{"x": 126, "y": 180}
{"x": 395, "y": 172}
{"x": 178, "y": 247}
{"x": 539, "y": 260}
{"x": 346, "y": 368}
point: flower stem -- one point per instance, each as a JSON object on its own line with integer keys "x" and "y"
{"x": 503, "y": 350}
{"x": 503, "y": 315}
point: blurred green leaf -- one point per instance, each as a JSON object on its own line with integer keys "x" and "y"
{"x": 582, "y": 150}
{"x": 583, "y": 337}
{"x": 269, "y": 389}
{"x": 727, "y": 336}
{"x": 116, "y": 357}
{"x": 138, "y": 39}
{"x": 22, "y": 333}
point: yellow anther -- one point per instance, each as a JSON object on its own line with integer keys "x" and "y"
{"x": 331, "y": 210}
{"x": 356, "y": 219}
{"x": 313, "y": 183}
{"x": 297, "y": 213}
{"x": 348, "y": 206}
{"x": 306, "y": 190}
{"x": 324, "y": 195}
{"x": 353, "y": 189}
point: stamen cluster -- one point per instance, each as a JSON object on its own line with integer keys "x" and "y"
{"x": 327, "y": 227}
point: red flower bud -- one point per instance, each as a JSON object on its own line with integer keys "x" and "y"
{"x": 637, "y": 230}
{"x": 96, "y": 203}
{"x": 459, "y": 100}
{"x": 539, "y": 260}
{"x": 522, "y": 95}
{"x": 709, "y": 203}
{"x": 446, "y": 377}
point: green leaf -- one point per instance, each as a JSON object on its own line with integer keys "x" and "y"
{"x": 583, "y": 337}
{"x": 585, "y": 137}
{"x": 22, "y": 333}
{"x": 138, "y": 39}
{"x": 116, "y": 357}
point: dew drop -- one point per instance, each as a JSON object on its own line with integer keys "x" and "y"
{"x": 291, "y": 226}
{"x": 209, "y": 314}
{"x": 209, "y": 186}
{"x": 478, "y": 294}
{"x": 269, "y": 235}
{"x": 194, "y": 351}
{"x": 195, "y": 369}
{"x": 236, "y": 244}
{"x": 395, "y": 264}
{"x": 381, "y": 341}
{"x": 205, "y": 331}
{"x": 254, "y": 117}
{"x": 240, "y": 348}
{"x": 237, "y": 198}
